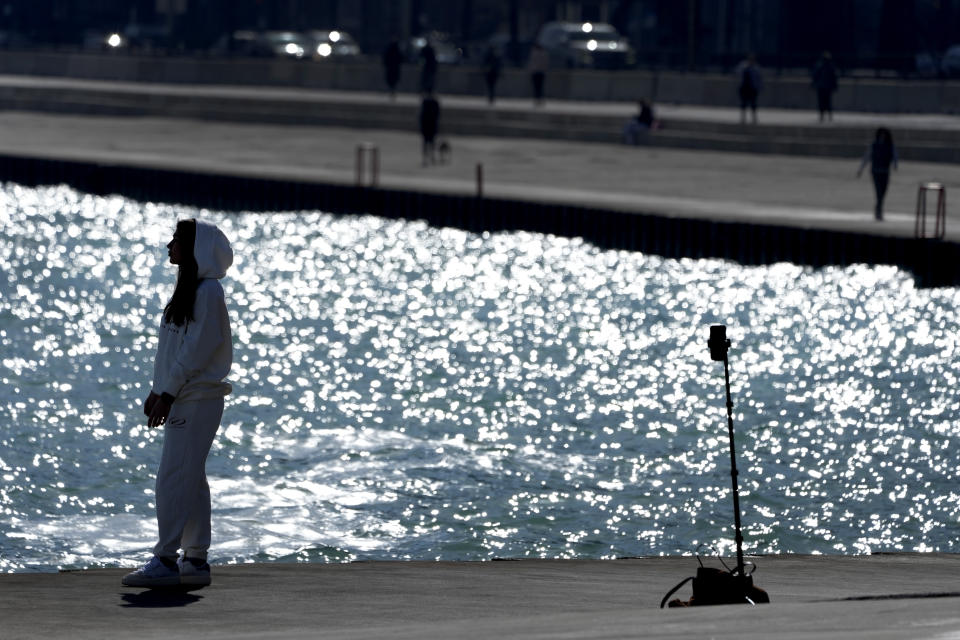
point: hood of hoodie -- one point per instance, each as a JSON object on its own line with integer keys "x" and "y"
{"x": 212, "y": 251}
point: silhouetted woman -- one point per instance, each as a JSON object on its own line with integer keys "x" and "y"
{"x": 880, "y": 154}
{"x": 193, "y": 359}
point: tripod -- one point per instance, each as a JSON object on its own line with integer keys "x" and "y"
{"x": 719, "y": 345}
{"x": 712, "y": 585}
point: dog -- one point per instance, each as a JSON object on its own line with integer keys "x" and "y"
{"x": 445, "y": 151}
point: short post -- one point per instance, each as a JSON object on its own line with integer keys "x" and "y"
{"x": 359, "y": 165}
{"x": 940, "y": 216}
{"x": 367, "y": 153}
{"x": 479, "y": 179}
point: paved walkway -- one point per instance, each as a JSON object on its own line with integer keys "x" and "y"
{"x": 877, "y": 597}
{"x": 797, "y": 191}
{"x": 789, "y": 117}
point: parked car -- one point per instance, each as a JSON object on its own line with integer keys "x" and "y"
{"x": 332, "y": 44}
{"x": 589, "y": 44}
{"x": 13, "y": 39}
{"x": 263, "y": 44}
{"x": 286, "y": 44}
{"x": 446, "y": 51}
{"x": 950, "y": 62}
{"x": 94, "y": 40}
{"x": 147, "y": 37}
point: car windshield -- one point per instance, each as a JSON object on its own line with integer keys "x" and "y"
{"x": 282, "y": 37}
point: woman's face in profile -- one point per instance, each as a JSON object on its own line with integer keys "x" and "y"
{"x": 173, "y": 248}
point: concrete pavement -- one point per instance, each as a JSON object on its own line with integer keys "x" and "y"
{"x": 885, "y": 596}
{"x": 919, "y": 137}
{"x": 787, "y": 190}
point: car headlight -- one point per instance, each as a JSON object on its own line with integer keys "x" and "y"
{"x": 114, "y": 40}
{"x": 324, "y": 49}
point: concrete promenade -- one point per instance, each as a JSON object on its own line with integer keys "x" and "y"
{"x": 877, "y": 597}
{"x": 920, "y": 137}
{"x": 773, "y": 189}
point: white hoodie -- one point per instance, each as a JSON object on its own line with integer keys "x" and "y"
{"x": 193, "y": 360}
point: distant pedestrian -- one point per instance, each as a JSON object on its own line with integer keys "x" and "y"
{"x": 825, "y": 84}
{"x": 749, "y": 87}
{"x": 537, "y": 66}
{"x": 392, "y": 60}
{"x": 429, "y": 125}
{"x": 194, "y": 354}
{"x": 881, "y": 154}
{"x": 637, "y": 127}
{"x": 428, "y": 70}
{"x": 491, "y": 72}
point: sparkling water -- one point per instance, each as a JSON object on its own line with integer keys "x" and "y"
{"x": 409, "y": 392}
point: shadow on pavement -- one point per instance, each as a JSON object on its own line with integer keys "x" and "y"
{"x": 900, "y": 596}
{"x": 161, "y": 598}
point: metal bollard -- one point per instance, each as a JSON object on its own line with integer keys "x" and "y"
{"x": 940, "y": 219}
{"x": 367, "y": 153}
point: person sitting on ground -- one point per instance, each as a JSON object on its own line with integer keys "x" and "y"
{"x": 637, "y": 127}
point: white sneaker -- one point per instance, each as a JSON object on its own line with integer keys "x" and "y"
{"x": 192, "y": 574}
{"x": 152, "y": 574}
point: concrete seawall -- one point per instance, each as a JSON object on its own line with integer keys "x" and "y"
{"x": 787, "y": 91}
{"x": 673, "y": 237}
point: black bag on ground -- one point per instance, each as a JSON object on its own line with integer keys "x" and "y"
{"x": 718, "y": 586}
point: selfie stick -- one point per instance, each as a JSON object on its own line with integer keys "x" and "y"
{"x": 718, "y": 351}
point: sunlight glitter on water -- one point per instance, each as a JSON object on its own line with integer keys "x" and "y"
{"x": 403, "y": 391}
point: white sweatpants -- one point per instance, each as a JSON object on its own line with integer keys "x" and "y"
{"x": 183, "y": 496}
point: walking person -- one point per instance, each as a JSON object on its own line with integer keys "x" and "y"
{"x": 881, "y": 154}
{"x": 749, "y": 87}
{"x": 537, "y": 66}
{"x": 825, "y": 84}
{"x": 392, "y": 60}
{"x": 491, "y": 72}
{"x": 193, "y": 358}
{"x": 429, "y": 125}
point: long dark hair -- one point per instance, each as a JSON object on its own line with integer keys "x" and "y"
{"x": 883, "y": 136}
{"x": 180, "y": 307}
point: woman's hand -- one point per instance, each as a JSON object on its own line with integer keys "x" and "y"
{"x": 159, "y": 412}
{"x": 149, "y": 402}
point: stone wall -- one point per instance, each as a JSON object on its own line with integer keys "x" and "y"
{"x": 791, "y": 92}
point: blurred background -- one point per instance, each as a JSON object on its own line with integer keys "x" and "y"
{"x": 900, "y": 38}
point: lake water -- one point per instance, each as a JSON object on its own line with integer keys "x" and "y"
{"x": 408, "y": 392}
